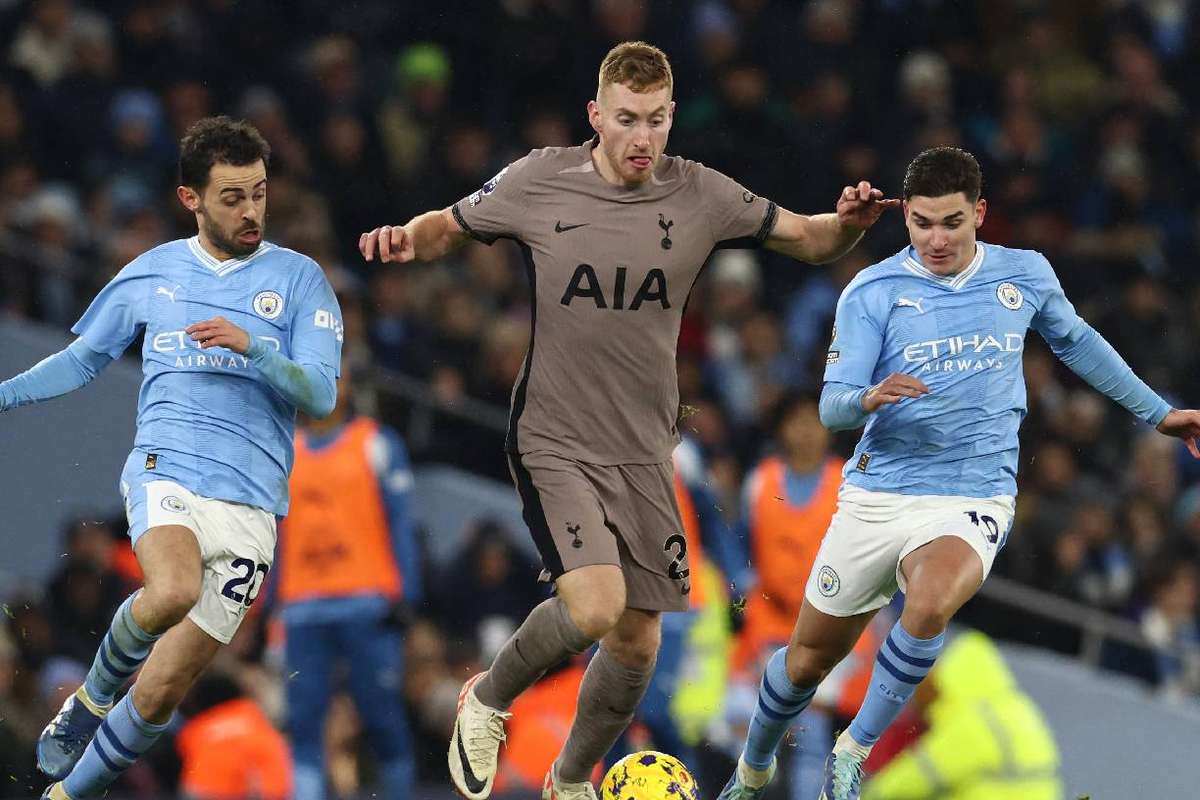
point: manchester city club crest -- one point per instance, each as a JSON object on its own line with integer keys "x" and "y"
{"x": 174, "y": 504}
{"x": 828, "y": 582}
{"x": 268, "y": 305}
{"x": 1009, "y": 296}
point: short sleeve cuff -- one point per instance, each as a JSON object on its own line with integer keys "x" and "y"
{"x": 760, "y": 236}
{"x": 768, "y": 223}
{"x": 458, "y": 217}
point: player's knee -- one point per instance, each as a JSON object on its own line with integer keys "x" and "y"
{"x": 634, "y": 648}
{"x": 596, "y": 615}
{"x": 807, "y": 666}
{"x": 168, "y": 604}
{"x": 926, "y": 614}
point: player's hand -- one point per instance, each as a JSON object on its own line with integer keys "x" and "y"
{"x": 859, "y": 206}
{"x": 1183, "y": 424}
{"x": 219, "y": 332}
{"x": 892, "y": 389}
{"x": 392, "y": 242}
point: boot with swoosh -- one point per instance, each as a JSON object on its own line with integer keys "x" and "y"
{"x": 475, "y": 744}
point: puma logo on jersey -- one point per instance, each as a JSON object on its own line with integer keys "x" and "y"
{"x": 168, "y": 293}
{"x": 904, "y": 302}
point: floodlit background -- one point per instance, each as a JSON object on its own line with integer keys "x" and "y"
{"x": 1083, "y": 116}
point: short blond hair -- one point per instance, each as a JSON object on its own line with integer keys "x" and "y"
{"x": 640, "y": 66}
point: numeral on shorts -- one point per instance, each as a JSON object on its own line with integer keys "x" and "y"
{"x": 254, "y": 576}
{"x": 992, "y": 530}
{"x": 677, "y": 545}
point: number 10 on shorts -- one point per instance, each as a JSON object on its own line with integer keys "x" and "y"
{"x": 986, "y": 524}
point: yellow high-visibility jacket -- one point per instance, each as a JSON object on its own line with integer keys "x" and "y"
{"x": 986, "y": 741}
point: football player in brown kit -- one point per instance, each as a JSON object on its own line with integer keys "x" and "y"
{"x": 614, "y": 233}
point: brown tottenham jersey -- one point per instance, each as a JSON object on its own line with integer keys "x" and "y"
{"x": 611, "y": 269}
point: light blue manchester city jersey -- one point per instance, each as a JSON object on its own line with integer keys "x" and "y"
{"x": 963, "y": 335}
{"x": 206, "y": 418}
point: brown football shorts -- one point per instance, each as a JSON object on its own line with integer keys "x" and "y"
{"x": 627, "y": 515}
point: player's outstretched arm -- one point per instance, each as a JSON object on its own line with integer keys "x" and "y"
{"x": 427, "y": 237}
{"x": 821, "y": 238}
{"x": 1091, "y": 357}
{"x": 56, "y": 375}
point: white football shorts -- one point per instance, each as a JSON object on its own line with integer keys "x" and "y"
{"x": 857, "y": 568}
{"x": 237, "y": 548}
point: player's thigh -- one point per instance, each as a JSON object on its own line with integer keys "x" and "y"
{"x": 981, "y": 523}
{"x": 561, "y": 507}
{"x": 237, "y": 545}
{"x": 165, "y": 533}
{"x": 855, "y": 568}
{"x": 640, "y": 504}
{"x": 176, "y": 660}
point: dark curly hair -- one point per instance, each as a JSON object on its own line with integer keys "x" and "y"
{"x": 940, "y": 171}
{"x": 218, "y": 140}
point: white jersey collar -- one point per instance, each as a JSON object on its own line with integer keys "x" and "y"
{"x": 223, "y": 268}
{"x": 953, "y": 282}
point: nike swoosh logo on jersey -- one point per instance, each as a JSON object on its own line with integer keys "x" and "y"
{"x": 474, "y": 785}
{"x": 560, "y": 228}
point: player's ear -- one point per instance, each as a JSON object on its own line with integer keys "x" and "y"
{"x": 187, "y": 195}
{"x": 593, "y": 110}
{"x": 980, "y": 212}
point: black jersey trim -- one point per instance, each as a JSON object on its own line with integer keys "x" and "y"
{"x": 511, "y": 443}
{"x": 474, "y": 234}
{"x": 760, "y": 236}
{"x": 534, "y": 515}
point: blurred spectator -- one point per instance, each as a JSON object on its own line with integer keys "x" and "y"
{"x": 788, "y": 501}
{"x": 348, "y": 577}
{"x": 228, "y": 748}
{"x": 1171, "y": 622}
{"x": 413, "y": 116}
{"x": 42, "y": 46}
{"x": 503, "y": 589}
{"x": 17, "y": 729}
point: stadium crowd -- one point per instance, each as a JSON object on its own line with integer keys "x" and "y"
{"x": 1080, "y": 114}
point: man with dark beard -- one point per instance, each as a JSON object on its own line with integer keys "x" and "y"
{"x": 239, "y": 335}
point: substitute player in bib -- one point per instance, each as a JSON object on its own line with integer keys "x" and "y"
{"x": 614, "y": 233}
{"x": 927, "y": 351}
{"x": 238, "y": 335}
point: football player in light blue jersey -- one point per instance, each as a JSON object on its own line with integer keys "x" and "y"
{"x": 926, "y": 351}
{"x": 239, "y": 334}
